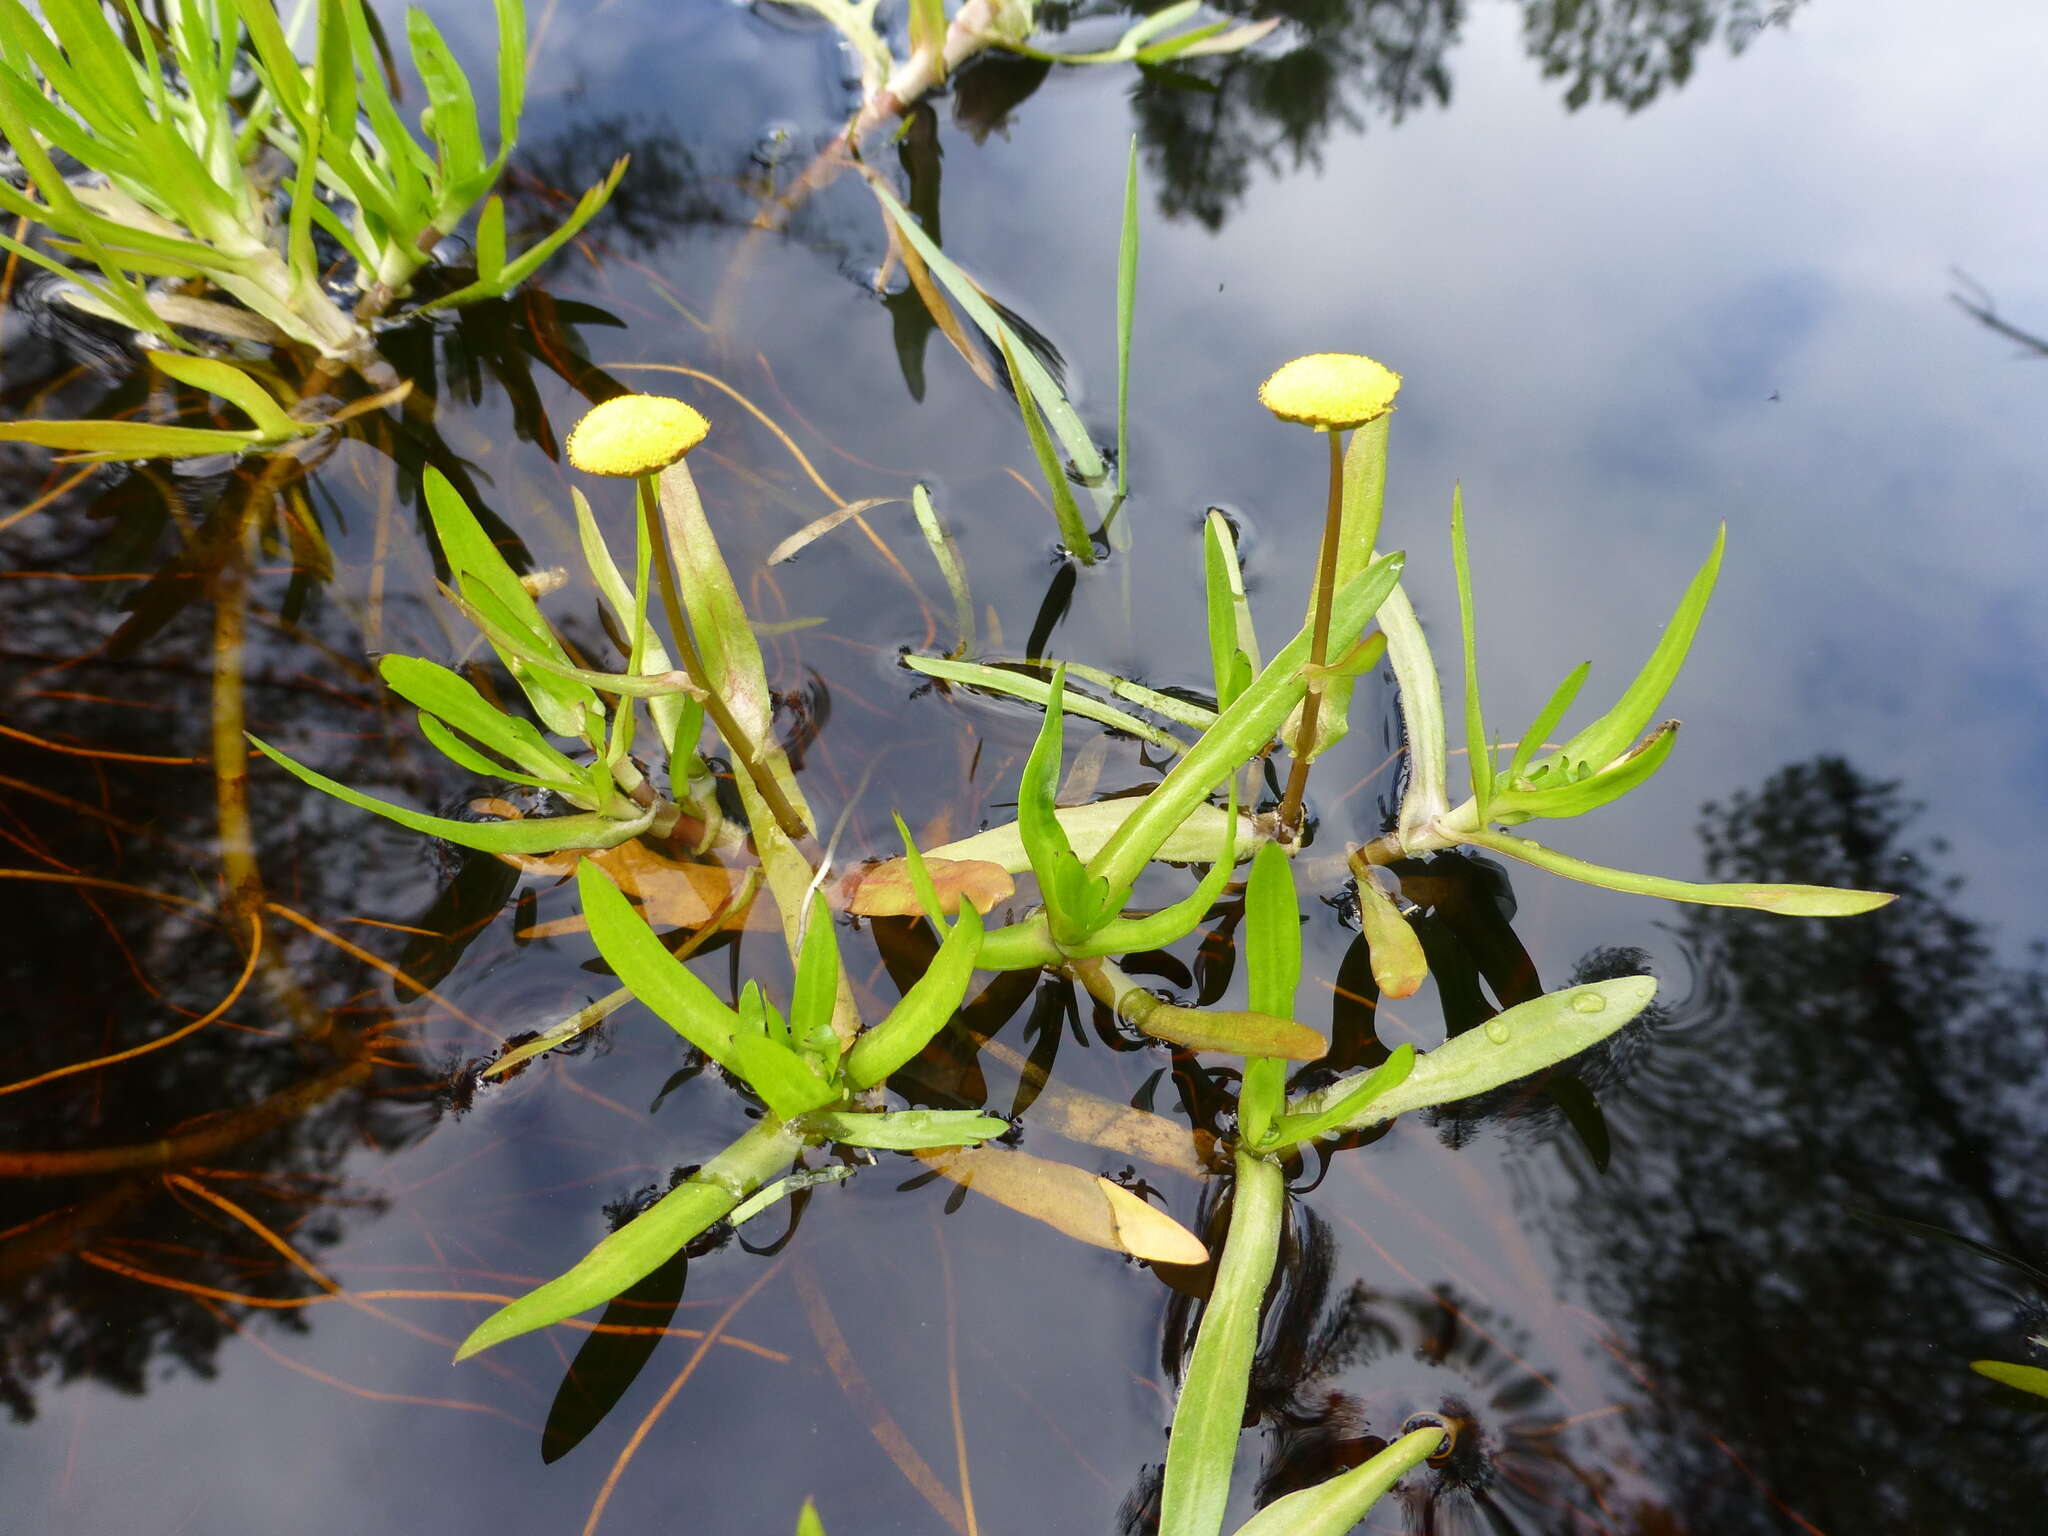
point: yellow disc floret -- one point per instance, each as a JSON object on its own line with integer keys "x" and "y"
{"x": 632, "y": 435}
{"x": 1331, "y": 390}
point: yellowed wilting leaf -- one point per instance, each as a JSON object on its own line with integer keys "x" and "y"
{"x": 671, "y": 893}
{"x": 1071, "y": 1200}
{"x": 884, "y": 889}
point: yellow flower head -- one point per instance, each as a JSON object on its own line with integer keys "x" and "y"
{"x": 633, "y": 435}
{"x": 1332, "y": 390}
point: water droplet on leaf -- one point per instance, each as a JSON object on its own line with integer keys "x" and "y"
{"x": 1588, "y": 1002}
{"x": 1498, "y": 1030}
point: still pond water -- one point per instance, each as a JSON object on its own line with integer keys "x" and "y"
{"x": 1721, "y": 1303}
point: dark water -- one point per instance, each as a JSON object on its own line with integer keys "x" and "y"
{"x": 1717, "y": 289}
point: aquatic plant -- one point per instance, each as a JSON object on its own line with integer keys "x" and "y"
{"x": 192, "y": 176}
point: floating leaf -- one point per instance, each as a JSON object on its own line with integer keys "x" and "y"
{"x": 907, "y": 1130}
{"x": 670, "y": 892}
{"x": 1088, "y": 827}
{"x": 1072, "y": 1201}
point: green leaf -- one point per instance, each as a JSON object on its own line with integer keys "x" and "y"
{"x": 1478, "y": 751}
{"x": 1237, "y": 1032}
{"x": 807, "y": 1521}
{"x": 453, "y": 105}
{"x": 94, "y": 441}
{"x": 1074, "y": 903}
{"x": 1209, "y": 1415}
{"x": 533, "y": 834}
{"x": 1544, "y": 723}
{"x": 947, "y": 554}
{"x": 511, "y": 74}
{"x": 787, "y": 1185}
{"x": 1786, "y": 900}
{"x": 334, "y": 75}
{"x": 921, "y": 877}
{"x": 463, "y": 755}
{"x": 1527, "y": 1038}
{"x": 1272, "y": 932}
{"x": 1609, "y": 736}
{"x": 1335, "y": 1505}
{"x": 922, "y": 1011}
{"x": 1018, "y": 685}
{"x": 909, "y": 1130}
{"x": 238, "y": 389}
{"x": 1361, "y": 498}
{"x": 1073, "y": 532}
{"x": 1229, "y": 615}
{"x": 657, "y": 978}
{"x": 649, "y": 1240}
{"x": 1290, "y": 1130}
{"x": 816, "y": 991}
{"x": 1126, "y": 308}
{"x": 2028, "y": 1378}
{"x": 530, "y": 260}
{"x": 928, "y": 33}
{"x": 1590, "y": 793}
{"x": 1059, "y": 414}
{"x": 678, "y": 718}
{"x": 472, "y": 557}
{"x": 429, "y": 686}
{"x": 490, "y": 242}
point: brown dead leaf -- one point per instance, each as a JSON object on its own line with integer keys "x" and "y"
{"x": 884, "y": 889}
{"x": 1070, "y": 1200}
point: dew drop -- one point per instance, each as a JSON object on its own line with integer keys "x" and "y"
{"x": 1498, "y": 1030}
{"x": 1588, "y": 1002}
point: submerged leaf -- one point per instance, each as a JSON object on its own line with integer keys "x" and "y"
{"x": 1072, "y": 1201}
{"x": 887, "y": 890}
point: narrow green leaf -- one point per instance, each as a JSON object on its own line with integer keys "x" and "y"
{"x": 816, "y": 991}
{"x": 1060, "y": 414}
{"x": 1786, "y": 900}
{"x": 511, "y": 74}
{"x": 678, "y": 718}
{"x": 649, "y": 1240}
{"x": 490, "y": 243}
{"x": 1073, "y": 532}
{"x": 463, "y": 755}
{"x": 1142, "y": 32}
{"x": 1291, "y": 1130}
{"x": 1209, "y": 1415}
{"x": 100, "y": 440}
{"x": 787, "y": 1185}
{"x": 530, "y": 260}
{"x": 947, "y": 554}
{"x": 1089, "y": 827}
{"x": 1074, "y": 902}
{"x": 657, "y": 978}
{"x": 237, "y": 388}
{"x": 807, "y": 1521}
{"x": 453, "y": 104}
{"x": 1609, "y": 736}
{"x": 334, "y": 75}
{"x": 1527, "y": 1038}
{"x": 1588, "y": 794}
{"x": 539, "y": 662}
{"x": 1228, "y": 616}
{"x": 908, "y": 1130}
{"x": 1272, "y": 932}
{"x": 1478, "y": 750}
{"x": 1544, "y": 723}
{"x": 922, "y": 1011}
{"x": 1335, "y": 1505}
{"x": 1126, "y": 308}
{"x": 533, "y": 834}
{"x": 1238, "y": 1032}
{"x": 429, "y": 686}
{"x": 1019, "y": 685}
{"x": 921, "y": 878}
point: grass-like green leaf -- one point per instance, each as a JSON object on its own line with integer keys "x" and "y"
{"x": 1073, "y": 532}
{"x": 1608, "y": 737}
{"x": 922, "y": 1011}
{"x": 1587, "y": 794}
{"x": 807, "y": 1521}
{"x": 649, "y": 1240}
{"x": 1478, "y": 750}
{"x": 1169, "y": 925}
{"x": 452, "y": 103}
{"x": 1060, "y": 415}
{"x": 1526, "y": 1038}
{"x": 1074, "y": 901}
{"x": 782, "y": 1078}
{"x": 1019, "y": 685}
{"x": 97, "y": 441}
{"x": 1126, "y": 309}
{"x": 1229, "y": 614}
{"x": 908, "y": 1130}
{"x": 816, "y": 990}
{"x": 1786, "y": 900}
{"x": 527, "y": 262}
{"x": 1336, "y": 1505}
{"x": 511, "y": 74}
{"x": 947, "y": 554}
{"x": 239, "y": 389}
{"x": 1209, "y": 1416}
{"x": 1545, "y": 722}
{"x": 430, "y": 686}
{"x": 1361, "y": 1091}
{"x": 533, "y": 834}
{"x": 1089, "y": 827}
{"x": 657, "y": 978}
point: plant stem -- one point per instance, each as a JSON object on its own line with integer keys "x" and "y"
{"x": 688, "y": 659}
{"x": 1210, "y": 1414}
{"x": 1319, "y": 642}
